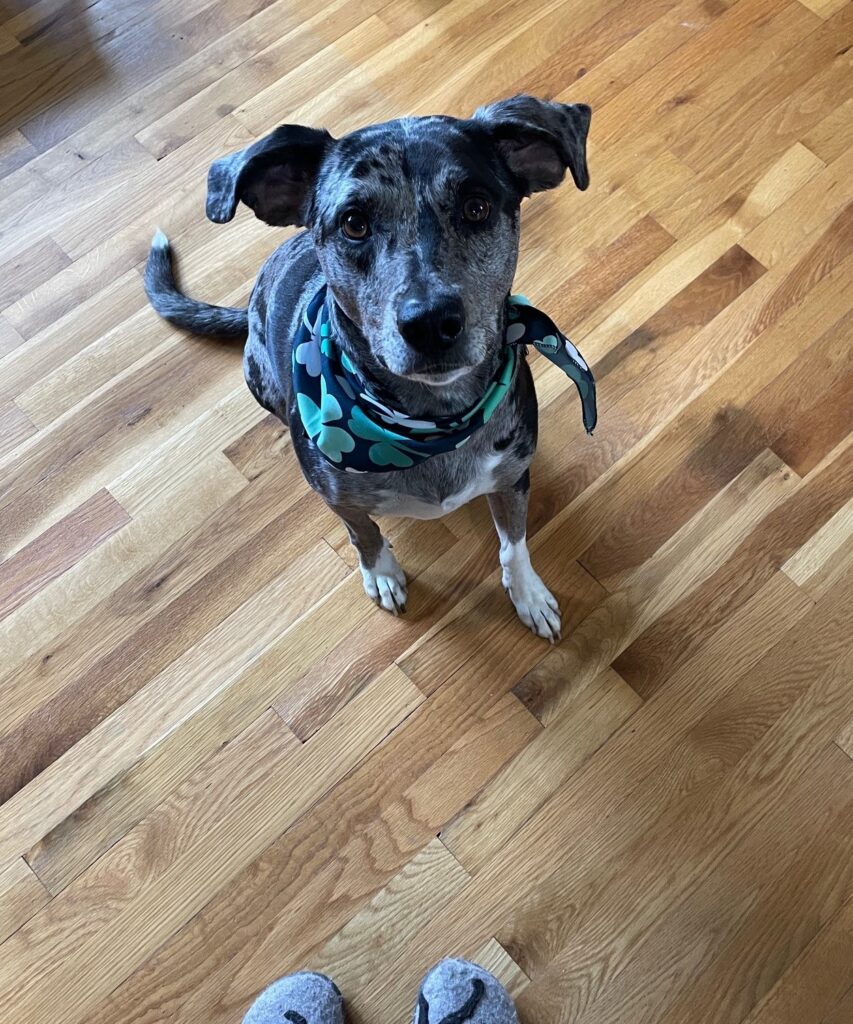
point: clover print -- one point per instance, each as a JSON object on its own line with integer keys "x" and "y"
{"x": 308, "y": 355}
{"x": 331, "y": 440}
{"x": 385, "y": 454}
{"x": 574, "y": 354}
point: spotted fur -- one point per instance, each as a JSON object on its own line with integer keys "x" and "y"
{"x": 410, "y": 178}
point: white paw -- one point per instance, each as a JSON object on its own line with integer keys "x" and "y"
{"x": 535, "y": 604}
{"x": 385, "y": 582}
{"x": 536, "y": 607}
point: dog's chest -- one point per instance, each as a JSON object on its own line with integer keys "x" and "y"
{"x": 424, "y": 502}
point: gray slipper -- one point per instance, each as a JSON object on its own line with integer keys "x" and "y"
{"x": 304, "y": 998}
{"x": 456, "y": 990}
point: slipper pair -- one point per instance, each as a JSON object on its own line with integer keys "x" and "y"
{"x": 454, "y": 992}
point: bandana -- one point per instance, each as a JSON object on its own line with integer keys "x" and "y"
{"x": 358, "y": 433}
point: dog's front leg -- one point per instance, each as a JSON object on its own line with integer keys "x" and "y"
{"x": 536, "y": 605}
{"x": 384, "y": 579}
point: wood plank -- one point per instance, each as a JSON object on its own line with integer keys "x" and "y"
{"x": 167, "y": 457}
{"x": 842, "y": 1011}
{"x": 712, "y": 376}
{"x": 129, "y": 112}
{"x": 496, "y": 960}
{"x": 832, "y": 136}
{"x": 821, "y": 561}
{"x": 748, "y": 55}
{"x": 320, "y": 40}
{"x": 463, "y": 640}
{"x": 593, "y": 711}
{"x": 845, "y": 738}
{"x": 268, "y": 776}
{"x": 144, "y": 719}
{"x": 507, "y": 881}
{"x": 361, "y": 653}
{"x": 15, "y": 426}
{"x": 825, "y": 8}
{"x": 714, "y": 461}
{"x": 31, "y": 747}
{"x": 59, "y": 606}
{"x": 742, "y": 187}
{"x": 818, "y": 429}
{"x": 768, "y": 702}
{"x": 57, "y": 549}
{"x": 607, "y": 269}
{"x": 780, "y": 923}
{"x": 821, "y": 51}
{"x": 45, "y": 484}
{"x": 29, "y": 269}
{"x": 103, "y": 196}
{"x": 455, "y": 36}
{"x": 640, "y": 52}
{"x": 666, "y": 643}
{"x": 816, "y": 981}
{"x": 504, "y": 729}
{"x": 15, "y": 150}
{"x": 412, "y": 897}
{"x": 693, "y": 554}
{"x": 260, "y": 448}
{"x": 21, "y": 896}
{"x": 685, "y": 313}
{"x": 9, "y": 337}
{"x": 659, "y": 283}
{"x": 670, "y": 80}
{"x": 599, "y": 51}
{"x": 759, "y": 931}
{"x": 78, "y": 317}
{"x": 79, "y": 50}
{"x": 602, "y": 482}
{"x": 827, "y": 194}
{"x": 306, "y": 885}
{"x": 115, "y": 639}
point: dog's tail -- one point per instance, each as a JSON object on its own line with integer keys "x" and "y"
{"x": 171, "y": 303}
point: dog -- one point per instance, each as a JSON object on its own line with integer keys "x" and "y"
{"x": 400, "y": 279}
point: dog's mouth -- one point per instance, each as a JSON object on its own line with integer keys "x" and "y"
{"x": 437, "y": 376}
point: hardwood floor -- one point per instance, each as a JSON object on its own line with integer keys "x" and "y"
{"x": 219, "y": 762}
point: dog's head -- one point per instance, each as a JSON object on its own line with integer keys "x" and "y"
{"x": 415, "y": 222}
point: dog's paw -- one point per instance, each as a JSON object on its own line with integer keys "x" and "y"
{"x": 535, "y": 604}
{"x": 385, "y": 582}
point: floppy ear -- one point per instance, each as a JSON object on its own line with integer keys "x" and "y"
{"x": 539, "y": 139}
{"x": 273, "y": 176}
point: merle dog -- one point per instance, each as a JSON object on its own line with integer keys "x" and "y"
{"x": 413, "y": 226}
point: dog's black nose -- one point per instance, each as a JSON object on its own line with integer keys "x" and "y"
{"x": 429, "y": 326}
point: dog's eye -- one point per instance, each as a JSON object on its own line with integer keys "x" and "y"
{"x": 476, "y": 209}
{"x": 355, "y": 225}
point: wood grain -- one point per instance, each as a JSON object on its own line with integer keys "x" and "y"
{"x": 219, "y": 762}
{"x": 57, "y": 549}
{"x": 21, "y": 895}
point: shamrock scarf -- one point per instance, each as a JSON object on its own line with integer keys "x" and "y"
{"x": 360, "y": 434}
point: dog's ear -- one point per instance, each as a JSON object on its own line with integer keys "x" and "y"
{"x": 273, "y": 176}
{"x": 539, "y": 139}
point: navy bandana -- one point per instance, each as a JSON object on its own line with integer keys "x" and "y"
{"x": 360, "y": 434}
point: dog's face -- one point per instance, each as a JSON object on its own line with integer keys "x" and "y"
{"x": 416, "y": 228}
{"x": 415, "y": 222}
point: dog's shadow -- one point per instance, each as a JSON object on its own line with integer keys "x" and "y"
{"x": 48, "y": 53}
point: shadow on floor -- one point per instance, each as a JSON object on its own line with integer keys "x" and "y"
{"x": 49, "y": 51}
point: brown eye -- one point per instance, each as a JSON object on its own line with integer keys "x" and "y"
{"x": 355, "y": 225}
{"x": 475, "y": 209}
